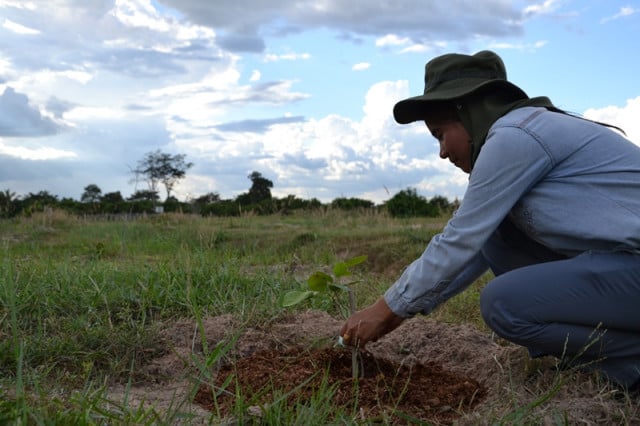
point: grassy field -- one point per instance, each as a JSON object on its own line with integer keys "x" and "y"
{"x": 82, "y": 301}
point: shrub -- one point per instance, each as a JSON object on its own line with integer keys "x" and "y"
{"x": 407, "y": 203}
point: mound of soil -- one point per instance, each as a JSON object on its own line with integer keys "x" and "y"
{"x": 386, "y": 390}
{"x": 513, "y": 387}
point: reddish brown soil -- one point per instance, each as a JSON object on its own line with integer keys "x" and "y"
{"x": 388, "y": 390}
{"x": 514, "y": 388}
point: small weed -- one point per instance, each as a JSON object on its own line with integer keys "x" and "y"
{"x": 305, "y": 238}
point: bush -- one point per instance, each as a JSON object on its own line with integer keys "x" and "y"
{"x": 221, "y": 208}
{"x": 351, "y": 203}
{"x": 407, "y": 203}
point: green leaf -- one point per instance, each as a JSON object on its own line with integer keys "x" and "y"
{"x": 336, "y": 287}
{"x": 294, "y": 297}
{"x": 341, "y": 269}
{"x": 318, "y": 281}
{"x": 356, "y": 260}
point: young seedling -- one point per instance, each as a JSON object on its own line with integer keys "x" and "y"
{"x": 323, "y": 284}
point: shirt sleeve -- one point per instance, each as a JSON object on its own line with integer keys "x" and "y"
{"x": 509, "y": 165}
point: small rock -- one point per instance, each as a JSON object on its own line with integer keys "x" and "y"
{"x": 255, "y": 411}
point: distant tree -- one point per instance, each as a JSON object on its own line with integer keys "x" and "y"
{"x": 208, "y": 198}
{"x": 441, "y": 203}
{"x": 313, "y": 203}
{"x": 243, "y": 199}
{"x": 408, "y": 203}
{"x": 351, "y": 203}
{"x": 143, "y": 195}
{"x": 142, "y": 201}
{"x": 199, "y": 204}
{"x": 113, "y": 202}
{"x": 290, "y": 203}
{"x": 8, "y": 203}
{"x": 172, "y": 204}
{"x": 43, "y": 197}
{"x": 260, "y": 188}
{"x": 112, "y": 197}
{"x": 38, "y": 201}
{"x": 221, "y": 208}
{"x": 70, "y": 205}
{"x": 91, "y": 194}
{"x": 161, "y": 168}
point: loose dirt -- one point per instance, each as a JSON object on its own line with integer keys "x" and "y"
{"x": 435, "y": 372}
{"x": 386, "y": 391}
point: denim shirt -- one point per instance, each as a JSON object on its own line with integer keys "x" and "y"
{"x": 567, "y": 183}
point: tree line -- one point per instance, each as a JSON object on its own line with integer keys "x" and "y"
{"x": 158, "y": 168}
{"x": 406, "y": 203}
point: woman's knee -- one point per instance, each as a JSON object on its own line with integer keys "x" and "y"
{"x": 490, "y": 307}
{"x": 499, "y": 306}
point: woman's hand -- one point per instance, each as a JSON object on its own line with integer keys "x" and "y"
{"x": 369, "y": 324}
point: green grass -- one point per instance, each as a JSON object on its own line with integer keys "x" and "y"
{"x": 83, "y": 301}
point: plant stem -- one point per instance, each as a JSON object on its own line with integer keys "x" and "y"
{"x": 355, "y": 352}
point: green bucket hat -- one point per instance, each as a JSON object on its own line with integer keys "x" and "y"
{"x": 453, "y": 76}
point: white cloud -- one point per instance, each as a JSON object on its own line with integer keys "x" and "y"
{"x": 379, "y": 102}
{"x": 625, "y": 117}
{"x": 361, "y": 66}
{"x": 19, "y": 29}
{"x": 49, "y": 77}
{"x": 520, "y": 46}
{"x": 5, "y": 66}
{"x": 139, "y": 13}
{"x": 84, "y": 113}
{"x": 270, "y": 57}
{"x": 624, "y": 12}
{"x": 255, "y": 75}
{"x": 18, "y": 4}
{"x": 407, "y": 45}
{"x": 544, "y": 8}
{"x": 392, "y": 40}
{"x": 416, "y": 48}
{"x": 42, "y": 153}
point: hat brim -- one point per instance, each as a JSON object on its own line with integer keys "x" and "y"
{"x": 418, "y": 108}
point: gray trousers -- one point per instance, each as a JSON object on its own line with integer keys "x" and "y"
{"x": 584, "y": 309}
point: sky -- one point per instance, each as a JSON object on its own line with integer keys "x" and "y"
{"x": 299, "y": 91}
